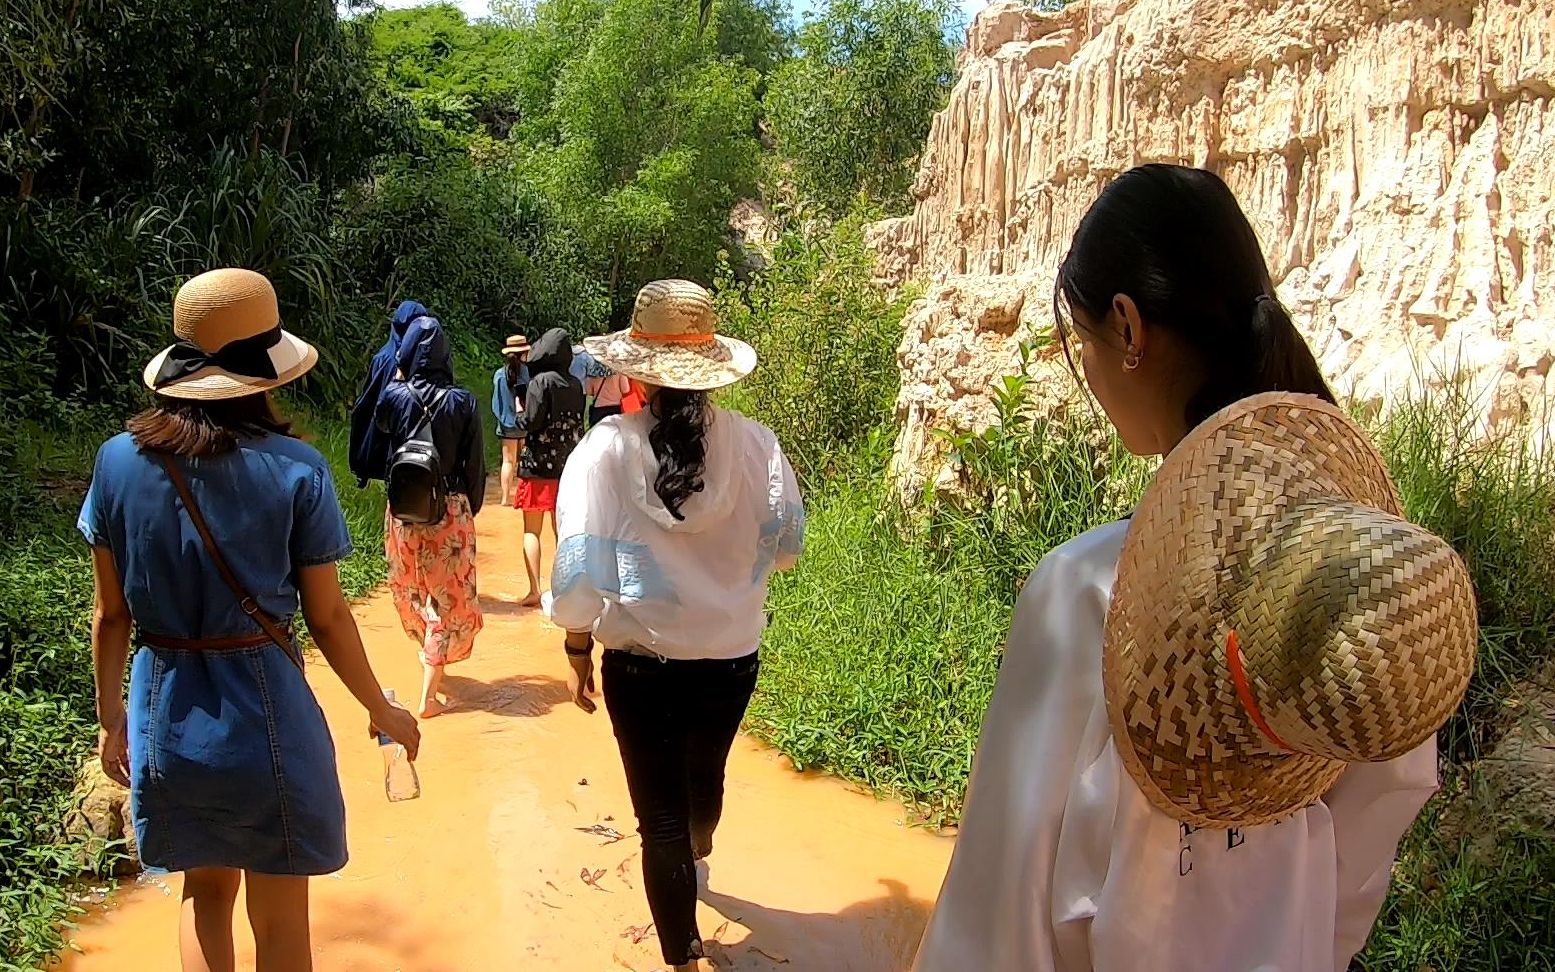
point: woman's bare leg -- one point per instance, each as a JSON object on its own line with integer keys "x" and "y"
{"x": 509, "y": 468}
{"x": 278, "y": 912}
{"x": 432, "y": 702}
{"x": 533, "y": 521}
{"x": 205, "y": 919}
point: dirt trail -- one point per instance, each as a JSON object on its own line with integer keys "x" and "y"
{"x": 483, "y": 872}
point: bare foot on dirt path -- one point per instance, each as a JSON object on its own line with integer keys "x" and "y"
{"x": 490, "y": 869}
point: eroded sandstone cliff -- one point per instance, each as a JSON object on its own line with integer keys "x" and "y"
{"x": 1398, "y": 160}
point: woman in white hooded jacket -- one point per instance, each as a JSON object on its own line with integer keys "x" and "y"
{"x": 1214, "y": 721}
{"x": 671, "y": 520}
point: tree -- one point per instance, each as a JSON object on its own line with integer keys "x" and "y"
{"x": 853, "y": 110}
{"x": 126, "y": 89}
{"x": 656, "y": 142}
{"x": 460, "y": 76}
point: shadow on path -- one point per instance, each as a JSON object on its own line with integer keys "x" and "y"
{"x": 503, "y": 607}
{"x": 878, "y": 935}
{"x": 519, "y": 696}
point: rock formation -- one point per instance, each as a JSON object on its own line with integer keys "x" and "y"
{"x": 1398, "y": 161}
{"x": 104, "y": 824}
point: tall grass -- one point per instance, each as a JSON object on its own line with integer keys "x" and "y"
{"x": 1472, "y": 889}
{"x": 885, "y": 643}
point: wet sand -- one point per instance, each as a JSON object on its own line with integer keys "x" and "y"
{"x": 487, "y": 870}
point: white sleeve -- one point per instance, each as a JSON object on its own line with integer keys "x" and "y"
{"x": 995, "y": 909}
{"x": 585, "y": 512}
{"x": 791, "y": 540}
{"x": 1372, "y": 805}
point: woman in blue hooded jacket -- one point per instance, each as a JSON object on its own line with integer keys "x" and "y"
{"x": 432, "y": 567}
{"x": 369, "y": 455}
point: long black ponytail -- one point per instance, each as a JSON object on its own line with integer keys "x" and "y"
{"x": 679, "y": 440}
{"x": 1175, "y": 240}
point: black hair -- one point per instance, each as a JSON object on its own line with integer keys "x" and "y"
{"x": 1175, "y": 240}
{"x": 679, "y": 440}
{"x": 199, "y": 429}
{"x": 511, "y": 364}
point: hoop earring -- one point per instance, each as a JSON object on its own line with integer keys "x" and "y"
{"x": 1132, "y": 358}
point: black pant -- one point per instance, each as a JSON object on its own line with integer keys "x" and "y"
{"x": 598, "y": 413}
{"x": 675, "y": 722}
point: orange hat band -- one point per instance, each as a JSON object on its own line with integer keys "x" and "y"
{"x": 694, "y": 338}
{"x": 1244, "y": 692}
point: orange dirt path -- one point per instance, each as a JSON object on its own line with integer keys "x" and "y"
{"x": 485, "y": 870}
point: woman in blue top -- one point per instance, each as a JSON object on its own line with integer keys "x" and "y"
{"x": 229, "y": 762}
{"x": 509, "y": 385}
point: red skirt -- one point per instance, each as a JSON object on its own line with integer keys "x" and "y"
{"x": 537, "y": 495}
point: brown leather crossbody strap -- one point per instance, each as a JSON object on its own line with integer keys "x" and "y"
{"x": 250, "y": 607}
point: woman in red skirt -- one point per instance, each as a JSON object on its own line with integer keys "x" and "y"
{"x": 551, "y": 426}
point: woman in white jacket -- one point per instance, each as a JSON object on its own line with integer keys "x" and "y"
{"x": 1214, "y": 721}
{"x": 671, "y": 521}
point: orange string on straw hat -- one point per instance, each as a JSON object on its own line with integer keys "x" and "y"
{"x": 706, "y": 338}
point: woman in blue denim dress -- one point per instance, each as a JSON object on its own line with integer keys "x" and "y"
{"x": 230, "y": 765}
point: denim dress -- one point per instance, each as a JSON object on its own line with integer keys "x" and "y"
{"x": 231, "y": 763}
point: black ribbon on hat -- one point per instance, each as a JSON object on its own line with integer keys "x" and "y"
{"x": 248, "y": 357}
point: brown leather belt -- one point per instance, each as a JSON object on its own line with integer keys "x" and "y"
{"x": 260, "y": 640}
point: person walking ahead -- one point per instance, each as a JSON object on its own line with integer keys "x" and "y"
{"x": 210, "y": 525}
{"x": 550, "y": 426}
{"x": 509, "y": 387}
{"x": 672, "y": 520}
{"x": 432, "y": 566}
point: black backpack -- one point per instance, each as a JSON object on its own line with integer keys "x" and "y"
{"x": 417, "y": 493}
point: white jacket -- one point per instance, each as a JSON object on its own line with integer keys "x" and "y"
{"x": 691, "y": 588}
{"x": 1062, "y": 864}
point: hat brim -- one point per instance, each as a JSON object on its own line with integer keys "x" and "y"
{"x": 1178, "y": 725}
{"x": 292, "y": 358}
{"x": 704, "y": 366}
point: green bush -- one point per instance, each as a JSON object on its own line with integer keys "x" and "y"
{"x": 487, "y": 254}
{"x": 827, "y": 342}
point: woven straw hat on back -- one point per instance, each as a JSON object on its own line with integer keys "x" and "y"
{"x": 674, "y": 341}
{"x": 1274, "y": 618}
{"x": 230, "y": 343}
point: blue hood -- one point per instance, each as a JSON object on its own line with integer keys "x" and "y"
{"x": 425, "y": 357}
{"x": 407, "y": 311}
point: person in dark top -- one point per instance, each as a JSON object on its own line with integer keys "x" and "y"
{"x": 551, "y": 426}
{"x": 369, "y": 453}
{"x": 432, "y": 568}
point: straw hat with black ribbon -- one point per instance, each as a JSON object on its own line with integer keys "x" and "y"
{"x": 674, "y": 341}
{"x": 1275, "y": 618}
{"x": 230, "y": 342}
{"x": 516, "y": 344}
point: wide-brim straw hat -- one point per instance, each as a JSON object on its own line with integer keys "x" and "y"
{"x": 674, "y": 341}
{"x": 516, "y": 344}
{"x": 1275, "y": 619}
{"x": 230, "y": 342}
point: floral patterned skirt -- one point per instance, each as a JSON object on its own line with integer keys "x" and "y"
{"x": 432, "y": 575}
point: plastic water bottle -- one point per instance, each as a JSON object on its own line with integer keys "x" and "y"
{"x": 400, "y": 781}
